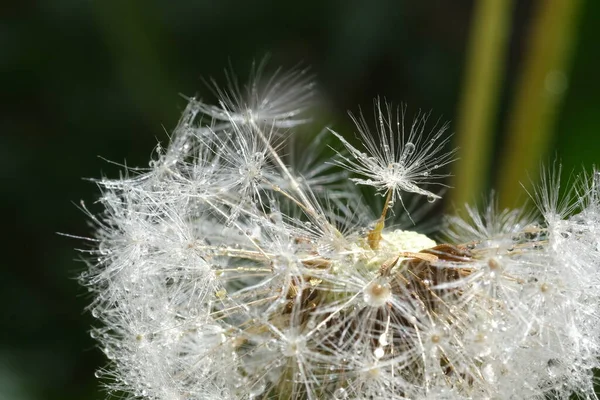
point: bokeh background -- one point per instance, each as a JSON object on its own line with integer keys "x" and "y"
{"x": 518, "y": 81}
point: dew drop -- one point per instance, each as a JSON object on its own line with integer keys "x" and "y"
{"x": 409, "y": 148}
{"x": 377, "y": 293}
{"x": 383, "y": 340}
{"x": 271, "y": 344}
{"x": 379, "y": 352}
{"x": 554, "y": 367}
{"x": 488, "y": 372}
{"x": 278, "y": 362}
{"x": 257, "y": 389}
{"x": 109, "y": 354}
{"x": 340, "y": 393}
{"x": 431, "y": 198}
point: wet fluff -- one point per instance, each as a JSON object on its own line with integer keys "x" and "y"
{"x": 235, "y": 267}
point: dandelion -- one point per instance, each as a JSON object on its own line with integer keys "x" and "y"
{"x": 223, "y": 271}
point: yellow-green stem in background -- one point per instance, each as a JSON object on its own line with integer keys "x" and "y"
{"x": 486, "y": 54}
{"x": 541, "y": 86}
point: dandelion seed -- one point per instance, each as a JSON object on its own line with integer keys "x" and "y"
{"x": 395, "y": 160}
{"x": 278, "y": 101}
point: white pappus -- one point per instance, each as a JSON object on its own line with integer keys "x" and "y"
{"x": 224, "y": 271}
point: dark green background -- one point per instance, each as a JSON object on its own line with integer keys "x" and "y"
{"x": 81, "y": 79}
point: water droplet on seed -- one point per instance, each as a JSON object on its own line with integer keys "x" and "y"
{"x": 257, "y": 389}
{"x": 271, "y": 344}
{"x": 340, "y": 393}
{"x": 377, "y": 293}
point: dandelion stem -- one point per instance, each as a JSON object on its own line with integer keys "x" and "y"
{"x": 375, "y": 234}
{"x": 541, "y": 87}
{"x": 484, "y": 67}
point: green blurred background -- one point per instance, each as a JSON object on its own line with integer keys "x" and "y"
{"x": 80, "y": 79}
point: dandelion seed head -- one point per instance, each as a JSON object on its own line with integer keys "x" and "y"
{"x": 224, "y": 271}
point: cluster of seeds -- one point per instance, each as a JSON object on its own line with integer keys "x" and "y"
{"x": 231, "y": 270}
